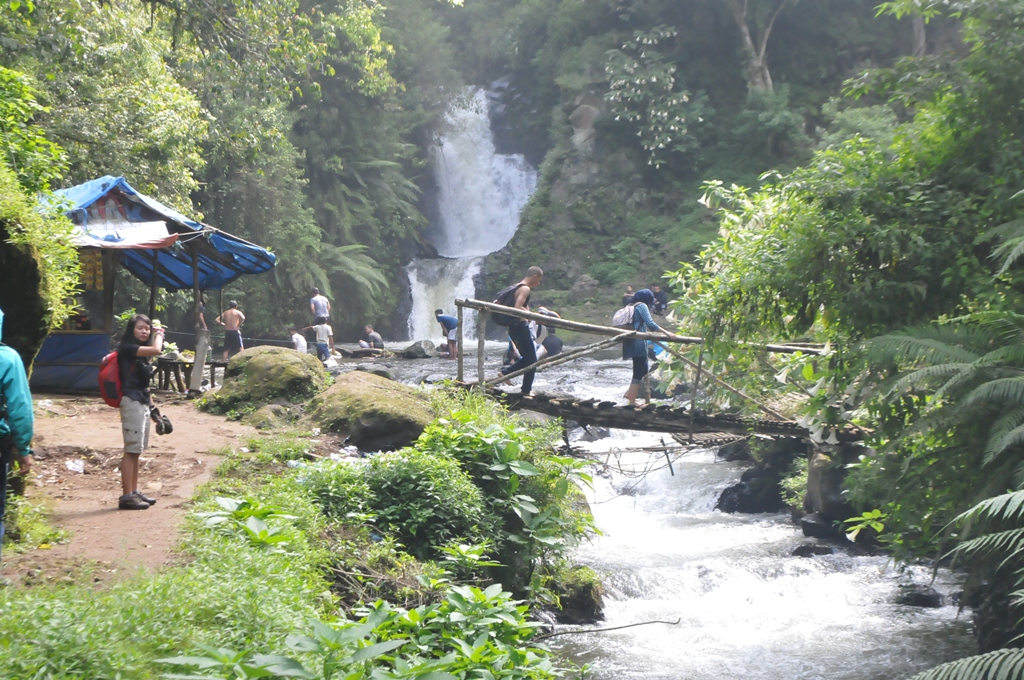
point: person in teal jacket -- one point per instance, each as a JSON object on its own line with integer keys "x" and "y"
{"x": 16, "y": 419}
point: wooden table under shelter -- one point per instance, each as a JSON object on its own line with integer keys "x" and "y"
{"x": 181, "y": 372}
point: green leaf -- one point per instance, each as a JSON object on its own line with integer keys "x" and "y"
{"x": 376, "y": 650}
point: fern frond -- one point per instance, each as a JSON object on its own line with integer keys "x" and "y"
{"x": 925, "y": 375}
{"x": 1005, "y": 543}
{"x": 998, "y": 442}
{"x": 1007, "y": 507}
{"x": 1002, "y": 664}
{"x": 907, "y": 348}
{"x": 1008, "y": 391}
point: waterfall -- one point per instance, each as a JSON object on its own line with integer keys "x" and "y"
{"x": 480, "y": 195}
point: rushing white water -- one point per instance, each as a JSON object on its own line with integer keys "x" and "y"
{"x": 480, "y": 195}
{"x": 746, "y": 607}
{"x": 434, "y": 284}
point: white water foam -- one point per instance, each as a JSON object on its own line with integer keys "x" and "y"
{"x": 480, "y": 196}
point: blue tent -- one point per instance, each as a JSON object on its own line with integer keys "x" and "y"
{"x": 154, "y": 242}
{"x": 108, "y": 211}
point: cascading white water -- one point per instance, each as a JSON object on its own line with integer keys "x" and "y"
{"x": 746, "y": 608}
{"x": 480, "y": 195}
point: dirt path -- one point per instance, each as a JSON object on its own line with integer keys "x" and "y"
{"x": 82, "y": 431}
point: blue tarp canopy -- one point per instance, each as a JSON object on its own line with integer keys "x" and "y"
{"x": 109, "y": 213}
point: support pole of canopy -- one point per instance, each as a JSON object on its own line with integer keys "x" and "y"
{"x": 202, "y": 336}
{"x": 153, "y": 283}
{"x": 110, "y": 260}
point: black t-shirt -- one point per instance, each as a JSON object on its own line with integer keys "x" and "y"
{"x": 135, "y": 373}
{"x": 553, "y": 344}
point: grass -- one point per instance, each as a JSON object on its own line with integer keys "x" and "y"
{"x": 239, "y": 594}
{"x": 229, "y": 594}
{"x": 27, "y": 524}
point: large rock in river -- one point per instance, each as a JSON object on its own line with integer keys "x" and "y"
{"x": 421, "y": 349}
{"x": 263, "y": 374}
{"x": 375, "y": 412}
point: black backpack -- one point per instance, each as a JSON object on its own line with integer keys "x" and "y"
{"x": 506, "y": 298}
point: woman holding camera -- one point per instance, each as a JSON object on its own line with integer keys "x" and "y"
{"x": 139, "y": 342}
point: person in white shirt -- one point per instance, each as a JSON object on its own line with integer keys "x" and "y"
{"x": 324, "y": 338}
{"x": 299, "y": 341}
{"x": 319, "y": 305}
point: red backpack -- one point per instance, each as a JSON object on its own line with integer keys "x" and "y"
{"x": 110, "y": 380}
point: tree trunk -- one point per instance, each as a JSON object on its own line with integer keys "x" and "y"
{"x": 920, "y": 36}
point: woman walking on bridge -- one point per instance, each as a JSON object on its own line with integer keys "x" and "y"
{"x": 637, "y": 349}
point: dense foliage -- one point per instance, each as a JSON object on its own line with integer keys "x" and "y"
{"x": 913, "y": 221}
{"x": 263, "y": 591}
{"x": 476, "y": 477}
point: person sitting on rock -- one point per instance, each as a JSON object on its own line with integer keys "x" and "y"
{"x": 450, "y": 329}
{"x": 660, "y": 300}
{"x": 371, "y": 339}
{"x": 627, "y": 297}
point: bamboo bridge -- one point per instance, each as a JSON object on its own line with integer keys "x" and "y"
{"x": 700, "y": 428}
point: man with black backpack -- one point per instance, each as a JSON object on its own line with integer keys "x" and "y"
{"x": 16, "y": 418}
{"x": 518, "y": 297}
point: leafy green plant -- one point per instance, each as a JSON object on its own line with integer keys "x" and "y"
{"x": 249, "y": 519}
{"x": 872, "y": 519}
{"x": 472, "y": 633}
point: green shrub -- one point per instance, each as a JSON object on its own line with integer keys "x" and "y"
{"x": 340, "y": 489}
{"x": 423, "y": 500}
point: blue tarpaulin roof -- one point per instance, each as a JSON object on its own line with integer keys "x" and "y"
{"x": 222, "y": 257}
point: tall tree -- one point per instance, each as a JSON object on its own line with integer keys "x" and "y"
{"x": 755, "y": 24}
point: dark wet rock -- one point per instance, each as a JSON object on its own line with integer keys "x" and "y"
{"x": 920, "y": 596}
{"x": 737, "y": 451}
{"x": 816, "y": 525}
{"x": 812, "y": 549}
{"x": 377, "y": 369}
{"x": 375, "y": 413}
{"x": 757, "y": 491}
{"x": 590, "y": 433}
{"x": 826, "y": 472}
{"x": 421, "y": 349}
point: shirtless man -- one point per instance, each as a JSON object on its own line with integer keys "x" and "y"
{"x": 232, "y": 320}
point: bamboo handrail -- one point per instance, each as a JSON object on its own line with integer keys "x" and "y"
{"x": 561, "y": 358}
{"x": 581, "y": 327}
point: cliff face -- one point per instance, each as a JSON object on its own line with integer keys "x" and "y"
{"x": 599, "y": 220}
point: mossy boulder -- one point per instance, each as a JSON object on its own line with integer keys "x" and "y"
{"x": 375, "y": 413}
{"x": 264, "y": 374}
{"x": 579, "y": 594}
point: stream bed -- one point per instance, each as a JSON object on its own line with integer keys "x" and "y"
{"x": 746, "y": 607}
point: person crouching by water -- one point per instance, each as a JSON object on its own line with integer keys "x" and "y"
{"x": 637, "y": 349}
{"x": 298, "y": 340}
{"x": 139, "y": 342}
{"x": 450, "y": 328}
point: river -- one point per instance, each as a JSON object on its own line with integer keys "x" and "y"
{"x": 746, "y": 607}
